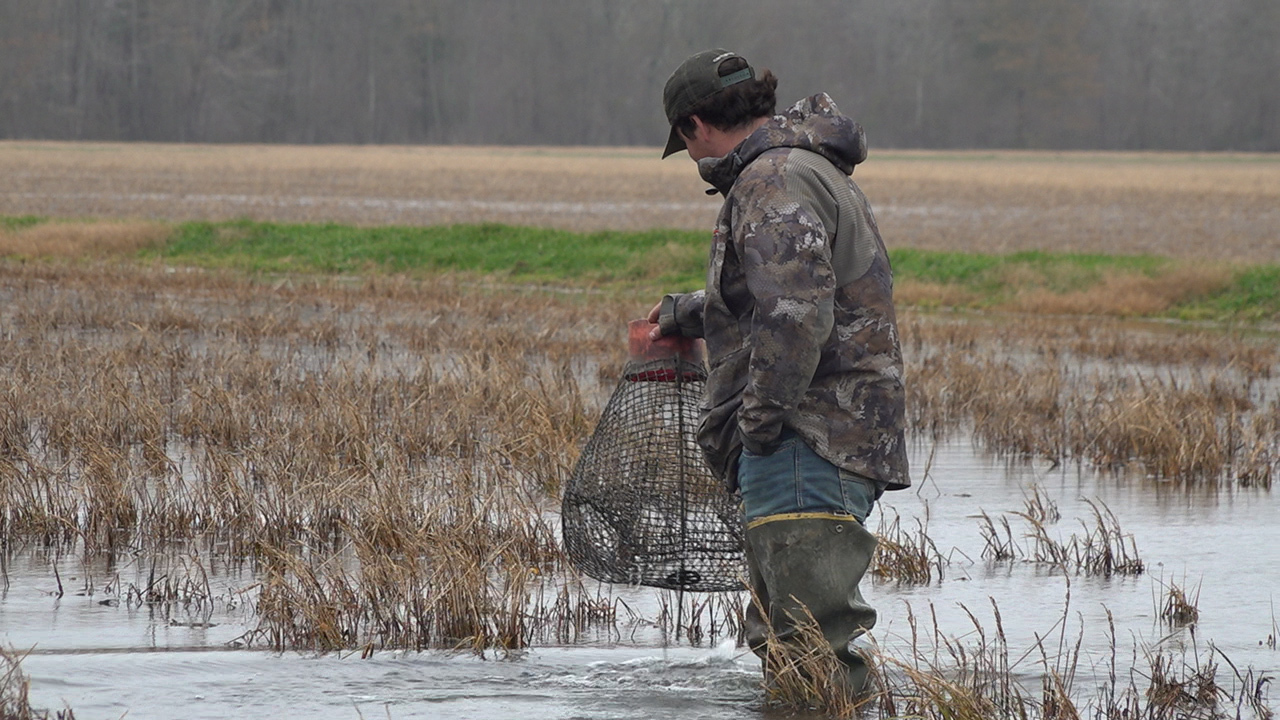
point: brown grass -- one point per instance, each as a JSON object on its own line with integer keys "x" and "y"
{"x": 906, "y": 556}
{"x": 81, "y": 240}
{"x": 1220, "y": 207}
{"x": 803, "y": 674}
{"x": 1180, "y": 606}
{"x": 1103, "y": 548}
{"x": 926, "y": 295}
{"x": 1053, "y": 389}
{"x": 381, "y": 449}
{"x": 1127, "y": 295}
{"x": 974, "y": 679}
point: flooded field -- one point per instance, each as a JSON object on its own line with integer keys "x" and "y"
{"x": 106, "y": 659}
{"x": 227, "y": 496}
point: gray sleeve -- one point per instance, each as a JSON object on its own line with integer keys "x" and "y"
{"x": 682, "y": 313}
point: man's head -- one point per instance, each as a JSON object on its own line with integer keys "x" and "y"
{"x": 720, "y": 89}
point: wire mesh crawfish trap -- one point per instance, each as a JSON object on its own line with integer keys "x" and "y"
{"x": 641, "y": 506}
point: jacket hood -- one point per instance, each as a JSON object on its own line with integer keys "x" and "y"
{"x": 813, "y": 124}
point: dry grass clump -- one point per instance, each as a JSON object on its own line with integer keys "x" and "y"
{"x": 1178, "y": 431}
{"x": 432, "y": 574}
{"x": 906, "y": 556}
{"x": 81, "y": 239}
{"x": 1103, "y": 548}
{"x": 803, "y": 673}
{"x": 1180, "y": 607}
{"x": 1040, "y": 390}
{"x": 1260, "y": 464}
{"x": 1040, "y": 508}
{"x": 953, "y": 679}
{"x": 908, "y": 292}
{"x": 1127, "y": 295}
{"x": 941, "y": 677}
{"x": 998, "y": 543}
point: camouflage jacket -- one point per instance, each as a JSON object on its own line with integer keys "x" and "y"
{"x": 798, "y": 309}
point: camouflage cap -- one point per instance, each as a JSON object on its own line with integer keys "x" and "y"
{"x": 697, "y": 79}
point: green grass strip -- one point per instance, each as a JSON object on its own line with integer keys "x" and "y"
{"x": 18, "y": 222}
{"x": 527, "y": 254}
{"x": 659, "y": 260}
{"x": 1061, "y": 272}
{"x": 1254, "y": 294}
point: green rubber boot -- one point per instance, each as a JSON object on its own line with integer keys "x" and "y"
{"x": 815, "y": 560}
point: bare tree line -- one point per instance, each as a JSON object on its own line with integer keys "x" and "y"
{"x": 1106, "y": 74}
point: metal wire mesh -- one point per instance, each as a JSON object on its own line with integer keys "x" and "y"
{"x": 641, "y": 506}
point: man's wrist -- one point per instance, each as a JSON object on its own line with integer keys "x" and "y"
{"x": 667, "y": 324}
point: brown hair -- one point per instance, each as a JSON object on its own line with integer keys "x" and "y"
{"x": 735, "y": 105}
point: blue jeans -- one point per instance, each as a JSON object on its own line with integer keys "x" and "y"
{"x": 795, "y": 479}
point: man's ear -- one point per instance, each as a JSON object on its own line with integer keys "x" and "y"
{"x": 699, "y": 128}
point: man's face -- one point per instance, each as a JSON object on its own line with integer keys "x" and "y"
{"x": 696, "y": 145}
{"x": 700, "y": 144}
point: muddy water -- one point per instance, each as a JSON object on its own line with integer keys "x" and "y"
{"x": 106, "y": 659}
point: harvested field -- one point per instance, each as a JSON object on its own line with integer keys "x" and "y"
{"x": 1223, "y": 207}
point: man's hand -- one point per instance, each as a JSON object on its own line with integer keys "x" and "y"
{"x": 652, "y": 317}
{"x": 677, "y": 315}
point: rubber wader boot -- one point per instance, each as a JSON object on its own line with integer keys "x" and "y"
{"x": 815, "y": 560}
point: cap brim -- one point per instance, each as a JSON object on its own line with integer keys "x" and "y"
{"x": 675, "y": 143}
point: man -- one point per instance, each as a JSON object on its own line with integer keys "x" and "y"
{"x": 803, "y": 409}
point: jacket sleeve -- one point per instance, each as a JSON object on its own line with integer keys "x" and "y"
{"x": 786, "y": 256}
{"x": 682, "y": 314}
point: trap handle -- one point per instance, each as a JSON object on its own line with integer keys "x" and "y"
{"x": 642, "y": 349}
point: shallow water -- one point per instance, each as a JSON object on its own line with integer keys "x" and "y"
{"x": 546, "y": 683}
{"x": 106, "y": 660}
{"x": 1225, "y": 544}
